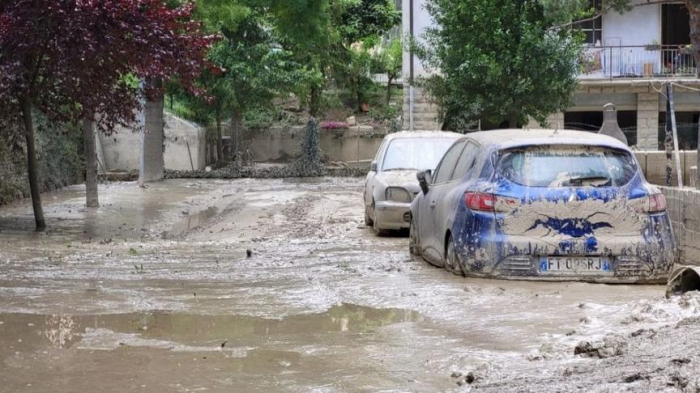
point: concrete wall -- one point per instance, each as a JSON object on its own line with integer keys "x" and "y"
{"x": 121, "y": 150}
{"x": 282, "y": 143}
{"x": 684, "y": 210}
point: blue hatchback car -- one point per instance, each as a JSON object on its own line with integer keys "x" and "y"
{"x": 544, "y": 205}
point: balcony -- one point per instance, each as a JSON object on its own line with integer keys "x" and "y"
{"x": 641, "y": 61}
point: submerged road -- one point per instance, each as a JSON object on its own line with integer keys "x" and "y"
{"x": 155, "y": 292}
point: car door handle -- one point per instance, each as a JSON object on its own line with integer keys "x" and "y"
{"x": 432, "y": 205}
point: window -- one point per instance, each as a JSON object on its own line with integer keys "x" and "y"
{"x": 593, "y": 29}
{"x": 561, "y": 166}
{"x": 466, "y": 161}
{"x": 447, "y": 165}
{"x": 415, "y": 153}
{"x": 675, "y": 25}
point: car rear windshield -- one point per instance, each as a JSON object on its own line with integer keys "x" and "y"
{"x": 415, "y": 153}
{"x": 555, "y": 166}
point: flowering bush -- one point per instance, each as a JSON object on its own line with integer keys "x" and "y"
{"x": 334, "y": 125}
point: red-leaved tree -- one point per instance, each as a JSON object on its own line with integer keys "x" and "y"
{"x": 79, "y": 60}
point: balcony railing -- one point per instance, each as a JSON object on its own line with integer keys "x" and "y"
{"x": 650, "y": 61}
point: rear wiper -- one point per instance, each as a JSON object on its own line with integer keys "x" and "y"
{"x": 578, "y": 181}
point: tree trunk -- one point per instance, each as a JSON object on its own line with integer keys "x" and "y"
{"x": 315, "y": 101}
{"x": 91, "y": 196}
{"x": 32, "y": 171}
{"x": 388, "y": 90}
{"x": 219, "y": 144}
{"x": 151, "y": 166}
{"x": 513, "y": 120}
{"x": 693, "y": 7}
{"x": 358, "y": 94}
{"x": 236, "y": 125}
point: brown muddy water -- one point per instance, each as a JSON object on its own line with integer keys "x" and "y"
{"x": 154, "y": 292}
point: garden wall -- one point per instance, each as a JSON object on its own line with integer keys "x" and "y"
{"x": 185, "y": 147}
{"x": 281, "y": 144}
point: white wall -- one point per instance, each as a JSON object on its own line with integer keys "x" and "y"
{"x": 121, "y": 150}
{"x": 640, "y": 26}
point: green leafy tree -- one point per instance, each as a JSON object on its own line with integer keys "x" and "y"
{"x": 324, "y": 42}
{"x": 499, "y": 60}
{"x": 252, "y": 68}
{"x": 389, "y": 61}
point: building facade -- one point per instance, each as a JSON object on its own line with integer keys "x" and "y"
{"x": 628, "y": 59}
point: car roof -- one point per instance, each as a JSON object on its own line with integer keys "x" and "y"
{"x": 423, "y": 134}
{"x": 504, "y": 139}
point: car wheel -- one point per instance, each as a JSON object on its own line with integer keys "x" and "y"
{"x": 413, "y": 242}
{"x": 368, "y": 219}
{"x": 452, "y": 261}
{"x": 377, "y": 229}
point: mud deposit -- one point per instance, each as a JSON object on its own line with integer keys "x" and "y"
{"x": 274, "y": 285}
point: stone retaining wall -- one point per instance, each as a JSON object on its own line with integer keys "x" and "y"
{"x": 281, "y": 144}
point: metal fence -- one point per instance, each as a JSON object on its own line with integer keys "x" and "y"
{"x": 640, "y": 61}
{"x": 384, "y": 79}
{"x": 630, "y": 132}
{"x": 687, "y": 136}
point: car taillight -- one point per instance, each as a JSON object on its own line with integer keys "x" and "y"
{"x": 653, "y": 204}
{"x": 483, "y": 202}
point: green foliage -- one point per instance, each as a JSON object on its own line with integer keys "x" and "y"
{"x": 499, "y": 61}
{"x": 384, "y": 113}
{"x": 368, "y": 18}
{"x": 59, "y": 156}
{"x": 387, "y": 116}
{"x": 260, "y": 118}
{"x": 563, "y": 12}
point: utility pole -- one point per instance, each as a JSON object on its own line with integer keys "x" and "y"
{"x": 671, "y": 141}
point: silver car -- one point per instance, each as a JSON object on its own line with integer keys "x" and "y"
{"x": 391, "y": 182}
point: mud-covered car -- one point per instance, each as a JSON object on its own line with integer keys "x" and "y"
{"x": 391, "y": 183}
{"x": 545, "y": 205}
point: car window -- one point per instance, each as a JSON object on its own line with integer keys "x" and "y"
{"x": 380, "y": 151}
{"x": 567, "y": 166}
{"x": 448, "y": 162}
{"x": 466, "y": 161}
{"x": 415, "y": 153}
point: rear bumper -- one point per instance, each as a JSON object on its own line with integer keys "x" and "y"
{"x": 644, "y": 258}
{"x": 392, "y": 215}
{"x": 623, "y": 270}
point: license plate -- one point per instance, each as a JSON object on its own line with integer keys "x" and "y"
{"x": 574, "y": 265}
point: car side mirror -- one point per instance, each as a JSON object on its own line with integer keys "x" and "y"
{"x": 424, "y": 180}
{"x": 373, "y": 166}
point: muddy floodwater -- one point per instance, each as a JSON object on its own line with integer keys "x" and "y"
{"x": 276, "y": 285}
